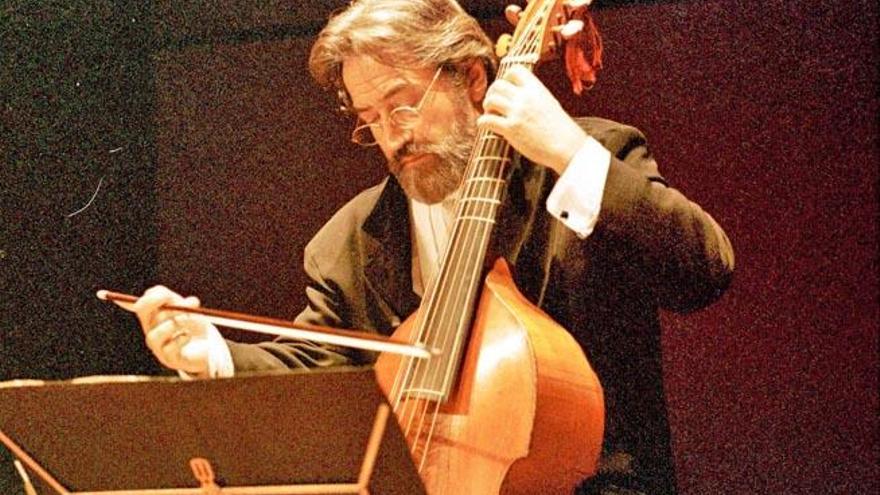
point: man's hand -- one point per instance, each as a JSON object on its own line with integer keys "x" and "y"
{"x": 520, "y": 108}
{"x": 180, "y": 341}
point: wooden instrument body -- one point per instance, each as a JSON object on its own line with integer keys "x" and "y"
{"x": 526, "y": 415}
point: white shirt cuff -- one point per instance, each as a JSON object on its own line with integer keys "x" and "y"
{"x": 577, "y": 196}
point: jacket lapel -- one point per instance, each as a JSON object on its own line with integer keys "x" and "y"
{"x": 387, "y": 239}
{"x": 388, "y": 255}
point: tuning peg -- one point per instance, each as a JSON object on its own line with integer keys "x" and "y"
{"x": 576, "y": 4}
{"x": 512, "y": 12}
{"x": 570, "y": 28}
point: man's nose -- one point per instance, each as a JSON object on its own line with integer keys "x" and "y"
{"x": 396, "y": 139}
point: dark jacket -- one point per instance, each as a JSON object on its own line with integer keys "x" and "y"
{"x": 651, "y": 248}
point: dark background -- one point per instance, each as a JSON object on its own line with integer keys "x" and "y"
{"x": 218, "y": 158}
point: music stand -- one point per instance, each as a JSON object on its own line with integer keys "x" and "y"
{"x": 302, "y": 432}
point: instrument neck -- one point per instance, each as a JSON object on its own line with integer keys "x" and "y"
{"x": 445, "y": 315}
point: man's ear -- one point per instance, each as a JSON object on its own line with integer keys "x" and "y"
{"x": 477, "y": 82}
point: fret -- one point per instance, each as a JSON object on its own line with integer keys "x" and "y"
{"x": 476, "y": 210}
{"x": 486, "y": 179}
{"x": 480, "y": 187}
{"x": 488, "y": 172}
{"x": 479, "y": 207}
{"x": 493, "y": 137}
{"x": 493, "y": 192}
{"x": 423, "y": 393}
{"x": 476, "y": 219}
{"x": 490, "y": 197}
{"x": 481, "y": 200}
{"x": 489, "y": 158}
{"x": 528, "y": 59}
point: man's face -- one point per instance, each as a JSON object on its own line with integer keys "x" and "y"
{"x": 429, "y": 159}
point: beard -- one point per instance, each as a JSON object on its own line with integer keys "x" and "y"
{"x": 433, "y": 178}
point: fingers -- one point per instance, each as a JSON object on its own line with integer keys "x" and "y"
{"x": 503, "y": 107}
{"x": 494, "y": 122}
{"x": 521, "y": 109}
{"x": 167, "y": 339}
{"x": 169, "y": 332}
{"x": 190, "y": 302}
{"x": 499, "y": 97}
{"x": 183, "y": 343}
{"x": 520, "y": 76}
{"x": 149, "y": 303}
{"x": 517, "y": 90}
{"x": 148, "y": 307}
{"x": 178, "y": 340}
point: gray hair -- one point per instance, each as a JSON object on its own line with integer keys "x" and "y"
{"x": 412, "y": 34}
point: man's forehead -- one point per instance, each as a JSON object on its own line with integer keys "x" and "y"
{"x": 368, "y": 81}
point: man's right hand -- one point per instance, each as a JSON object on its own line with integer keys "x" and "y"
{"x": 180, "y": 341}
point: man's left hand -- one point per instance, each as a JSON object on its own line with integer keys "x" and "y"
{"x": 520, "y": 108}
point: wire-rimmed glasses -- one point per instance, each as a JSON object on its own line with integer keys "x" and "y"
{"x": 404, "y": 117}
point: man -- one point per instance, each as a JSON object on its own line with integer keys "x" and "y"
{"x": 594, "y": 234}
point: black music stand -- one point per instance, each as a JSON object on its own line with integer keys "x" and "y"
{"x": 310, "y": 432}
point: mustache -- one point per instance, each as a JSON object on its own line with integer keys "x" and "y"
{"x": 411, "y": 149}
{"x": 456, "y": 146}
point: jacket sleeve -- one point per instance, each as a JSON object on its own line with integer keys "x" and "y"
{"x": 680, "y": 251}
{"x": 323, "y": 309}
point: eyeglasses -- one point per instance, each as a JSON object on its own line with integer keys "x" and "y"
{"x": 404, "y": 117}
